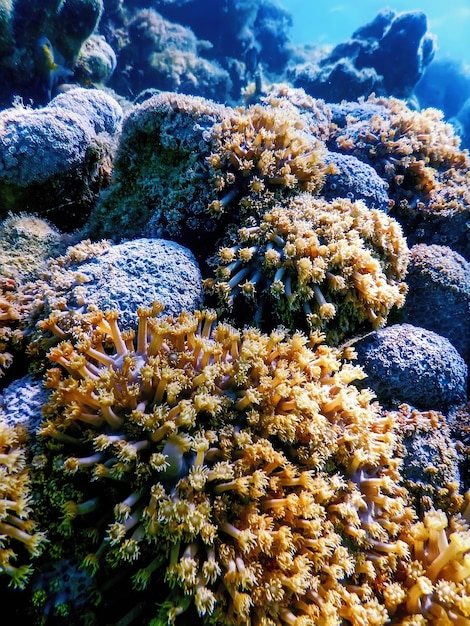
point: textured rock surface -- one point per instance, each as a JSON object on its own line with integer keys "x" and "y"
{"x": 54, "y": 161}
{"x": 137, "y": 272}
{"x": 21, "y": 402}
{"x": 405, "y": 363}
{"x": 355, "y": 180}
{"x": 439, "y": 294}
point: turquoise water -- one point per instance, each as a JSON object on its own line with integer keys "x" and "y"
{"x": 329, "y": 22}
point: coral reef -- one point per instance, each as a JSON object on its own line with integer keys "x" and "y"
{"x": 331, "y": 266}
{"x": 185, "y": 180}
{"x": 97, "y": 107}
{"x": 165, "y": 56}
{"x": 361, "y": 66}
{"x": 419, "y": 156}
{"x": 230, "y": 467}
{"x": 458, "y": 420}
{"x": 316, "y": 113}
{"x": 270, "y": 145}
{"x": 9, "y": 316}
{"x": 122, "y": 276}
{"x": 438, "y": 280}
{"x": 12, "y": 310}
{"x": 18, "y": 532}
{"x": 41, "y": 43}
{"x": 52, "y": 160}
{"x": 235, "y": 476}
{"x": 245, "y": 36}
{"x": 21, "y": 404}
{"x": 26, "y": 242}
{"x": 23, "y": 305}
{"x": 219, "y": 457}
{"x": 253, "y": 178}
{"x": 436, "y": 584}
{"x": 396, "y": 357}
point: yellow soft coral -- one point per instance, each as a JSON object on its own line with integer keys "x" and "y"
{"x": 17, "y": 530}
{"x": 331, "y": 265}
{"x": 244, "y": 464}
{"x": 417, "y": 153}
{"x": 436, "y": 578}
{"x": 9, "y": 316}
{"x": 264, "y": 147}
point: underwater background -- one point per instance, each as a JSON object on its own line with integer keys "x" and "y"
{"x": 332, "y": 22}
{"x": 234, "y": 313}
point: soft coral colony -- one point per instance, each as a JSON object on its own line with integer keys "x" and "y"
{"x": 248, "y": 188}
{"x": 312, "y": 263}
{"x": 19, "y": 535}
{"x": 235, "y": 476}
{"x": 189, "y": 469}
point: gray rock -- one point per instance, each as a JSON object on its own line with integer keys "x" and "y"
{"x": 100, "y": 110}
{"x": 439, "y": 294}
{"x": 37, "y": 145}
{"x": 21, "y": 402}
{"x": 355, "y": 180}
{"x": 405, "y": 363}
{"x": 137, "y": 272}
{"x": 155, "y": 190}
{"x": 55, "y": 161}
{"x": 430, "y": 460}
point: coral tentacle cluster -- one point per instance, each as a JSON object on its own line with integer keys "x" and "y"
{"x": 19, "y": 534}
{"x": 243, "y": 472}
{"x": 334, "y": 264}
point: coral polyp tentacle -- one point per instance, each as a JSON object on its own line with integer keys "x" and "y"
{"x": 243, "y": 474}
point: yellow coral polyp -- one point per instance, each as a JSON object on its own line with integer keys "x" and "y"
{"x": 332, "y": 266}
{"x": 248, "y": 469}
{"x": 17, "y": 531}
{"x": 269, "y": 146}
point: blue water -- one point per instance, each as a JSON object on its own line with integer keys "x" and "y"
{"x": 329, "y": 22}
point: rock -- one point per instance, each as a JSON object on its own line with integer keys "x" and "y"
{"x": 362, "y": 65}
{"x": 439, "y": 294}
{"x": 21, "y": 403}
{"x": 54, "y": 161}
{"x": 355, "y": 180}
{"x": 405, "y": 363}
{"x": 135, "y": 273}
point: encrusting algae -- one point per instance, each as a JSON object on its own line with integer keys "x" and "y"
{"x": 235, "y": 476}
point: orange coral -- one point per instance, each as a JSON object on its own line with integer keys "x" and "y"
{"x": 417, "y": 153}
{"x": 264, "y": 147}
{"x": 436, "y": 578}
{"x": 9, "y": 316}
